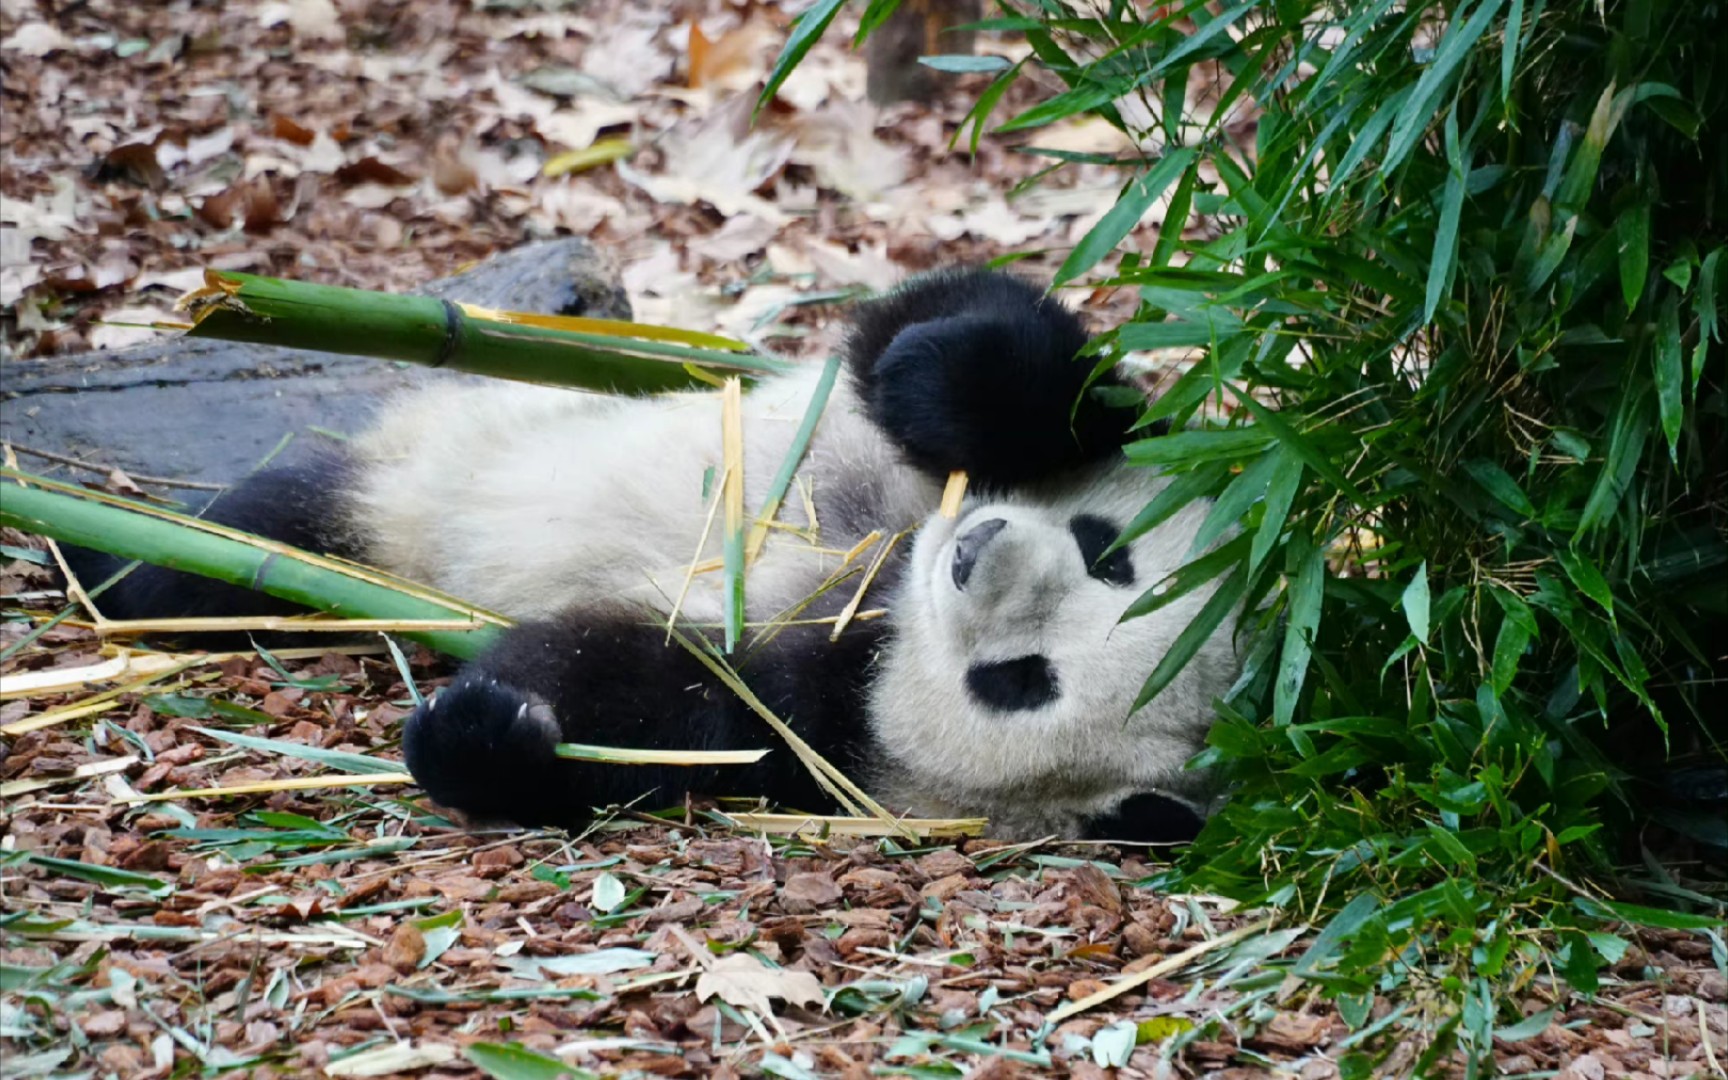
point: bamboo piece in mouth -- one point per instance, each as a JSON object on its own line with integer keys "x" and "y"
{"x": 953, "y": 494}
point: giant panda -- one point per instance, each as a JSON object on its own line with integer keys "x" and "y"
{"x": 999, "y": 684}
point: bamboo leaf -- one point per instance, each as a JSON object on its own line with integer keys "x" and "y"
{"x": 1633, "y": 233}
{"x": 1179, "y": 493}
{"x": 1280, "y": 495}
{"x": 1590, "y": 582}
{"x": 807, "y": 28}
{"x": 1626, "y": 437}
{"x": 795, "y": 450}
{"x": 1446, "y": 234}
{"x": 986, "y": 104}
{"x": 1509, "y": 648}
{"x": 1415, "y": 603}
{"x": 1241, "y": 494}
{"x": 1070, "y": 102}
{"x": 1302, "y": 620}
{"x": 1414, "y": 117}
{"x": 1192, "y": 637}
{"x": 335, "y": 759}
{"x": 1176, "y": 217}
{"x": 1121, "y": 218}
{"x": 1270, "y": 421}
{"x": 875, "y": 14}
{"x": 1707, "y": 302}
{"x": 965, "y": 64}
{"x": 1183, "y": 447}
{"x": 108, "y": 877}
{"x": 1670, "y": 378}
{"x": 1499, "y": 483}
{"x": 1511, "y": 40}
{"x": 512, "y": 1061}
{"x": 1186, "y": 579}
{"x": 600, "y": 152}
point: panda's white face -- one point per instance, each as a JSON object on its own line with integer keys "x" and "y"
{"x": 1010, "y": 677}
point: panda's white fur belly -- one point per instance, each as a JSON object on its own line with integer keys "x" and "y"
{"x": 518, "y": 498}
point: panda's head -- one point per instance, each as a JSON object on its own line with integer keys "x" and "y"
{"x": 1010, "y": 675}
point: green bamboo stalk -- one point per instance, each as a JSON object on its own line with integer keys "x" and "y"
{"x": 442, "y": 333}
{"x": 279, "y": 570}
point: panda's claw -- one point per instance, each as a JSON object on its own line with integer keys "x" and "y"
{"x": 485, "y": 748}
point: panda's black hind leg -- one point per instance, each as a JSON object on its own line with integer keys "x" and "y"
{"x": 295, "y": 504}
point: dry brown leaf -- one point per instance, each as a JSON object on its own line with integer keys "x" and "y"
{"x": 311, "y": 20}
{"x": 731, "y": 63}
{"x": 632, "y": 60}
{"x": 869, "y": 266}
{"x": 745, "y": 982}
{"x": 717, "y": 158}
{"x": 742, "y": 235}
{"x": 579, "y": 123}
{"x": 839, "y": 143}
{"x": 110, "y": 334}
{"x": 36, "y": 39}
{"x": 47, "y": 217}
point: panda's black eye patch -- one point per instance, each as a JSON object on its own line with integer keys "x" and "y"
{"x": 1094, "y": 535}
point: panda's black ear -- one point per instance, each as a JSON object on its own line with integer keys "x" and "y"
{"x": 977, "y": 370}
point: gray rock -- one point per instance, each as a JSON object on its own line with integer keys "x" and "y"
{"x": 210, "y": 411}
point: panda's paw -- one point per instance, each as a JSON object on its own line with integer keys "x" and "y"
{"x": 486, "y": 748}
{"x": 1146, "y": 818}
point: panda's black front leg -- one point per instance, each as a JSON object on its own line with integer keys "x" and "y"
{"x": 485, "y": 744}
{"x": 977, "y": 371}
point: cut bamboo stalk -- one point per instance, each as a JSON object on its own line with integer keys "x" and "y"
{"x": 265, "y": 787}
{"x": 732, "y": 493}
{"x": 66, "y": 680}
{"x": 623, "y": 755}
{"x": 851, "y": 609}
{"x": 1156, "y": 971}
{"x": 268, "y": 623}
{"x": 11, "y": 789}
{"x": 278, "y": 569}
{"x": 590, "y": 354}
{"x": 953, "y": 494}
{"x": 440, "y": 600}
{"x": 800, "y": 824}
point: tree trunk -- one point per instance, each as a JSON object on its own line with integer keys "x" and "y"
{"x": 917, "y": 28}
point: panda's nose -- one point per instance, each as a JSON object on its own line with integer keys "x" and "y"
{"x": 971, "y": 543}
